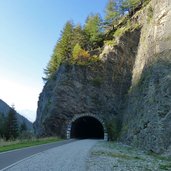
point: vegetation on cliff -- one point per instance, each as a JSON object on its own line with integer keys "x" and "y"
{"x": 77, "y": 42}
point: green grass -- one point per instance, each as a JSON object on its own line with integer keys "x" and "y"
{"x": 165, "y": 166}
{"x": 116, "y": 155}
{"x": 26, "y": 143}
{"x": 158, "y": 156}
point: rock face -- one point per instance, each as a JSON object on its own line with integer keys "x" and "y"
{"x": 97, "y": 88}
{"x": 4, "y": 109}
{"x": 132, "y": 83}
{"x": 147, "y": 116}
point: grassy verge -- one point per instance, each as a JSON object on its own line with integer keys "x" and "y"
{"x": 117, "y": 156}
{"x": 12, "y": 145}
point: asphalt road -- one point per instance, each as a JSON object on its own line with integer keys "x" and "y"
{"x": 69, "y": 157}
{"x": 11, "y": 157}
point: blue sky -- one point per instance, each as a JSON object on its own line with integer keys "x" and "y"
{"x": 29, "y": 30}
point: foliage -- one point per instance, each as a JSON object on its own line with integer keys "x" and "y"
{"x": 93, "y": 31}
{"x": 11, "y": 126}
{"x": 2, "y": 125}
{"x": 165, "y": 166}
{"x": 23, "y": 127}
{"x": 114, "y": 128}
{"x": 111, "y": 12}
{"x": 27, "y": 143}
{"x": 79, "y": 36}
{"x": 25, "y": 135}
{"x": 130, "y": 5}
{"x": 62, "y": 50}
{"x": 91, "y": 35}
{"x": 79, "y": 54}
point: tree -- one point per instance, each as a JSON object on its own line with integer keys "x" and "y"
{"x": 54, "y": 63}
{"x": 111, "y": 12}
{"x": 65, "y": 43}
{"x": 62, "y": 51}
{"x": 2, "y": 125}
{"x": 130, "y": 5}
{"x": 79, "y": 36}
{"x": 79, "y": 54}
{"x": 23, "y": 127}
{"x": 93, "y": 31}
{"x": 11, "y": 131}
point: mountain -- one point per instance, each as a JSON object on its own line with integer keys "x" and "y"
{"x": 29, "y": 114}
{"x": 5, "y": 108}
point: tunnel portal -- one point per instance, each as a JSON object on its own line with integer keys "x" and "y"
{"x": 87, "y": 127}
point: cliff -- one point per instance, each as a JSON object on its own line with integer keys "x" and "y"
{"x": 147, "y": 115}
{"x": 96, "y": 88}
{"x": 128, "y": 88}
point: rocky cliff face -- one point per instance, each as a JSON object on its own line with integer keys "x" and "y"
{"x": 132, "y": 82}
{"x": 96, "y": 88}
{"x": 147, "y": 116}
{"x": 4, "y": 109}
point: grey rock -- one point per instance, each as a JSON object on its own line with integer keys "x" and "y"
{"x": 131, "y": 83}
{"x": 97, "y": 88}
{"x": 147, "y": 115}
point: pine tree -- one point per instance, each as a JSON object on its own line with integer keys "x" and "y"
{"x": 23, "y": 127}
{"x": 11, "y": 131}
{"x": 112, "y": 12}
{"x": 54, "y": 63}
{"x": 79, "y": 36}
{"x": 93, "y": 31}
{"x": 62, "y": 51}
{"x": 2, "y": 125}
{"x": 65, "y": 43}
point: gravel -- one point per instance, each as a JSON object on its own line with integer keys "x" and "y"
{"x": 69, "y": 157}
{"x": 112, "y": 156}
{"x": 94, "y": 155}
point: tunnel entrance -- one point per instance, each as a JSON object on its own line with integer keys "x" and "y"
{"x": 87, "y": 127}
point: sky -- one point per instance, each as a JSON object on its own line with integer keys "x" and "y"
{"x": 29, "y": 30}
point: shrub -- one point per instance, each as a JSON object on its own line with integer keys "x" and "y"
{"x": 114, "y": 128}
{"x": 79, "y": 55}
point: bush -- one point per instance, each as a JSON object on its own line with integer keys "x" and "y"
{"x": 114, "y": 128}
{"x": 79, "y": 55}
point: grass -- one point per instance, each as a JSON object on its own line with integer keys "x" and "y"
{"x": 12, "y": 145}
{"x": 117, "y": 155}
{"x": 165, "y": 166}
{"x": 159, "y": 157}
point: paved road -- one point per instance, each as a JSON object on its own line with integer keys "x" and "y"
{"x": 68, "y": 157}
{"x": 8, "y": 158}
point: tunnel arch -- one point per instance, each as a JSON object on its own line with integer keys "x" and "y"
{"x": 86, "y": 125}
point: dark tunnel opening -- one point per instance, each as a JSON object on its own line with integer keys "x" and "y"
{"x": 87, "y": 128}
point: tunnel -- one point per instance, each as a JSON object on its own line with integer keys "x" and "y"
{"x": 87, "y": 127}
